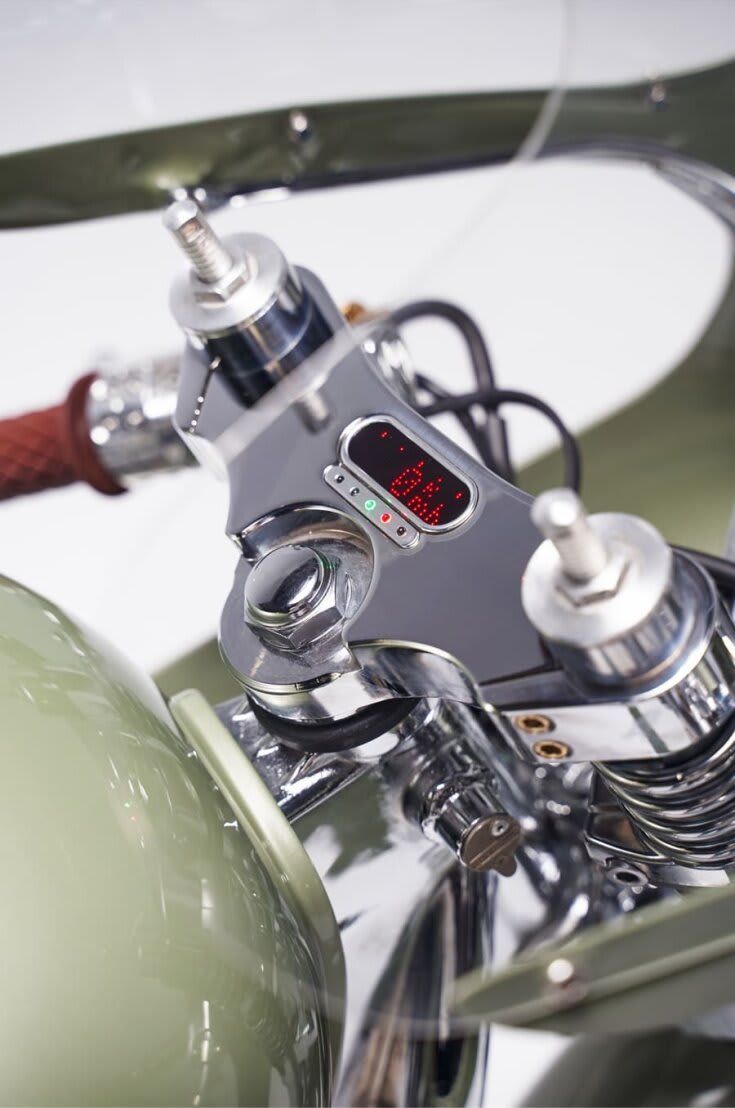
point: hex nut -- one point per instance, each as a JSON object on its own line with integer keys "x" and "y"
{"x": 323, "y": 614}
{"x": 219, "y": 292}
{"x": 602, "y": 586}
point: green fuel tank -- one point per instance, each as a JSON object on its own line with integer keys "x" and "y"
{"x": 165, "y": 939}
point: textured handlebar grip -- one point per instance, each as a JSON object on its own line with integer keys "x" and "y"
{"x": 50, "y": 448}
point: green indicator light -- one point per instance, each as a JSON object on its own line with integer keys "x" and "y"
{"x": 370, "y": 505}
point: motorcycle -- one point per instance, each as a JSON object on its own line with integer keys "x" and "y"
{"x": 461, "y": 757}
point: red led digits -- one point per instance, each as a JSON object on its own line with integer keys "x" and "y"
{"x": 407, "y": 480}
{"x": 396, "y": 463}
{"x": 425, "y": 510}
{"x": 434, "y": 515}
{"x": 421, "y": 502}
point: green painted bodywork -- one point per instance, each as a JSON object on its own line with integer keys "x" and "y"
{"x": 357, "y": 141}
{"x": 274, "y": 839}
{"x": 153, "y": 950}
{"x": 639, "y": 1071}
{"x": 663, "y": 964}
{"x": 203, "y": 668}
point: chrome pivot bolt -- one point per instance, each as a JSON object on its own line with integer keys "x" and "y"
{"x": 295, "y": 596}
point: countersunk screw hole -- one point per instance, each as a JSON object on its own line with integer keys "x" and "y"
{"x": 628, "y": 875}
{"x": 534, "y": 724}
{"x": 553, "y": 750}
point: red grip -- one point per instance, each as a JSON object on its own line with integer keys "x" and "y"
{"x": 51, "y": 447}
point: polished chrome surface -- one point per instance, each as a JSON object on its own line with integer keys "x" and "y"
{"x": 652, "y": 650}
{"x": 258, "y": 279}
{"x": 467, "y": 817}
{"x": 407, "y": 1051}
{"x": 605, "y": 594}
{"x": 451, "y": 791}
{"x": 382, "y": 671}
{"x": 437, "y": 764}
{"x": 370, "y": 505}
{"x": 385, "y": 881}
{"x": 385, "y": 346}
{"x": 296, "y": 596}
{"x": 411, "y": 922}
{"x": 246, "y": 313}
{"x": 286, "y": 584}
{"x": 683, "y": 807}
{"x": 130, "y": 418}
{"x": 659, "y": 643}
{"x": 629, "y": 621}
{"x": 298, "y": 600}
{"x": 298, "y": 781}
{"x": 696, "y": 696}
{"x": 275, "y": 466}
{"x": 615, "y": 844}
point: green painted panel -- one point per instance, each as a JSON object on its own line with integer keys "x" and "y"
{"x": 149, "y": 955}
{"x": 201, "y": 668}
{"x": 642, "y": 1071}
{"x": 356, "y": 141}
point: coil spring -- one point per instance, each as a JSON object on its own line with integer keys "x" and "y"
{"x": 683, "y": 807}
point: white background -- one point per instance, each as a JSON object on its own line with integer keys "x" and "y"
{"x": 591, "y": 281}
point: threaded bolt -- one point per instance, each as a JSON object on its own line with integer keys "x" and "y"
{"x": 560, "y": 516}
{"x": 208, "y": 255}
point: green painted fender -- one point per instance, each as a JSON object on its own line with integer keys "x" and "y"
{"x": 158, "y": 946}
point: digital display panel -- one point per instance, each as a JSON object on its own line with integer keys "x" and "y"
{"x": 400, "y": 467}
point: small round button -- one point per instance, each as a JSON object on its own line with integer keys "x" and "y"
{"x": 286, "y": 584}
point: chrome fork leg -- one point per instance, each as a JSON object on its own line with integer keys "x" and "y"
{"x": 407, "y": 1051}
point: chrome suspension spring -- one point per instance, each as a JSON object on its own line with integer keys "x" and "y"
{"x": 683, "y": 806}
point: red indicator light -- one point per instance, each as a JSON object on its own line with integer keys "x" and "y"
{"x": 386, "y": 517}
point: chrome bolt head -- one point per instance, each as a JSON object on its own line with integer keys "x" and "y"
{"x": 295, "y": 596}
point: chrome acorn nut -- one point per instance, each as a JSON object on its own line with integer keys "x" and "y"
{"x": 295, "y": 596}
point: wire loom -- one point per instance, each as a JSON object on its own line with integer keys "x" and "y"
{"x": 489, "y": 434}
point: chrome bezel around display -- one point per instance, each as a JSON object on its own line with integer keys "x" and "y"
{"x": 425, "y": 528}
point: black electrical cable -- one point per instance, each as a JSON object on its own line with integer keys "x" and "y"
{"x": 721, "y": 570}
{"x": 474, "y": 433}
{"x": 496, "y": 455}
{"x": 492, "y": 398}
